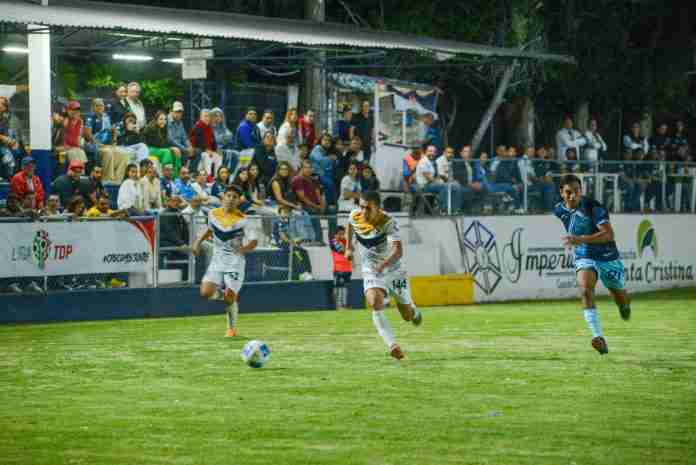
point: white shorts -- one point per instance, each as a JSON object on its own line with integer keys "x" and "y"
{"x": 231, "y": 280}
{"x": 395, "y": 284}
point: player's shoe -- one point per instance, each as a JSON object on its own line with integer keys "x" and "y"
{"x": 600, "y": 345}
{"x": 417, "y": 318}
{"x": 396, "y": 352}
{"x": 231, "y": 332}
{"x": 625, "y": 311}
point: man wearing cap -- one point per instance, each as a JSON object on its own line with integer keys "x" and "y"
{"x": 26, "y": 182}
{"x": 248, "y": 135}
{"x": 73, "y": 132}
{"x": 178, "y": 137}
{"x": 71, "y": 184}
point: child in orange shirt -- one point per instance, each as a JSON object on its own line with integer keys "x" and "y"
{"x": 342, "y": 268}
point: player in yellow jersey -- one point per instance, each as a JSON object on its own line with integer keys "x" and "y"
{"x": 226, "y": 225}
{"x": 381, "y": 250}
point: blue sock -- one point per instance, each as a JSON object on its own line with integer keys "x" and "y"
{"x": 592, "y": 319}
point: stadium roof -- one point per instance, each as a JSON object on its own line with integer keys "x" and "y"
{"x": 114, "y": 16}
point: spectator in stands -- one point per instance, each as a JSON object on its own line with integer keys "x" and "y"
{"x": 266, "y": 125}
{"x": 9, "y": 146}
{"x": 222, "y": 182}
{"x": 344, "y": 129}
{"x": 364, "y": 125}
{"x": 527, "y": 168}
{"x": 241, "y": 180}
{"x": 176, "y": 132}
{"x": 196, "y": 214}
{"x": 289, "y": 152}
{"x": 680, "y": 138}
{"x": 26, "y": 181}
{"x": 174, "y": 235}
{"x": 76, "y": 207}
{"x": 28, "y": 203}
{"x": 572, "y": 164}
{"x": 368, "y": 179}
{"x": 200, "y": 189}
{"x": 287, "y": 239}
{"x": 248, "y": 135}
{"x": 224, "y": 139}
{"x": 567, "y": 137}
{"x": 130, "y": 194}
{"x": 58, "y": 137}
{"x": 323, "y": 162}
{"x": 649, "y": 179}
{"x": 167, "y": 181}
{"x": 71, "y": 184}
{"x": 628, "y": 182}
{"x": 265, "y": 159}
{"x": 101, "y": 132}
{"x": 52, "y": 208}
{"x": 281, "y": 187}
{"x": 207, "y": 157}
{"x": 120, "y": 106}
{"x": 13, "y": 207}
{"x": 73, "y": 133}
{"x": 157, "y": 140}
{"x": 660, "y": 141}
{"x": 459, "y": 193}
{"x": 355, "y": 152}
{"x": 308, "y": 193}
{"x": 432, "y": 133}
{"x": 96, "y": 186}
{"x": 344, "y": 158}
{"x": 427, "y": 181}
{"x": 307, "y": 131}
{"x": 135, "y": 106}
{"x": 102, "y": 209}
{"x": 303, "y": 150}
{"x": 506, "y": 178}
{"x": 595, "y": 147}
{"x": 183, "y": 186}
{"x": 131, "y": 139}
{"x": 349, "y": 190}
{"x": 410, "y": 163}
{"x": 151, "y": 189}
{"x": 289, "y": 126}
{"x": 633, "y": 140}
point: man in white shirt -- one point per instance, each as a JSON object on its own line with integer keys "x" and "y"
{"x": 427, "y": 181}
{"x": 595, "y": 143}
{"x": 568, "y": 138}
{"x": 136, "y": 106}
{"x": 445, "y": 173}
{"x": 633, "y": 140}
{"x": 266, "y": 124}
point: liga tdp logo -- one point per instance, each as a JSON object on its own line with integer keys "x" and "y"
{"x": 646, "y": 238}
{"x": 42, "y": 250}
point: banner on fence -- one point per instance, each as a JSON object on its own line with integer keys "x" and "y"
{"x": 522, "y": 257}
{"x": 76, "y": 247}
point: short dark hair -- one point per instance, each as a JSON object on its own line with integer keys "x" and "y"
{"x": 570, "y": 179}
{"x": 234, "y": 188}
{"x": 340, "y": 228}
{"x": 371, "y": 196}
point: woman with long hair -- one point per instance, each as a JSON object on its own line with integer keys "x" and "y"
{"x": 130, "y": 195}
{"x": 76, "y": 206}
{"x": 288, "y": 126}
{"x": 222, "y": 180}
{"x": 157, "y": 140}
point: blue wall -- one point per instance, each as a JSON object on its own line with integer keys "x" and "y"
{"x": 110, "y": 304}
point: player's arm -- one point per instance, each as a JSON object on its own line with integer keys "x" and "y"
{"x": 348, "y": 253}
{"x": 251, "y": 245}
{"x": 604, "y": 235}
{"x": 207, "y": 234}
{"x": 397, "y": 253}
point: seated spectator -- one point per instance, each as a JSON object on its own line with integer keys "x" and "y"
{"x": 222, "y": 182}
{"x": 150, "y": 187}
{"x": 257, "y": 189}
{"x": 266, "y": 125}
{"x": 52, "y": 208}
{"x": 303, "y": 151}
{"x": 178, "y": 137}
{"x": 680, "y": 139}
{"x": 248, "y": 135}
{"x": 102, "y": 209}
{"x": 344, "y": 129}
{"x": 307, "y": 131}
{"x": 660, "y": 141}
{"x": 287, "y": 239}
{"x": 9, "y": 145}
{"x": 471, "y": 180}
{"x": 507, "y": 178}
{"x": 350, "y": 190}
{"x": 76, "y": 207}
{"x": 289, "y": 126}
{"x": 308, "y": 193}
{"x": 183, "y": 186}
{"x": 207, "y": 158}
{"x": 289, "y": 153}
{"x": 174, "y": 235}
{"x": 281, "y": 188}
{"x": 119, "y": 107}
{"x": 569, "y": 138}
{"x": 13, "y": 207}
{"x": 323, "y": 164}
{"x": 596, "y": 147}
{"x": 73, "y": 134}
{"x": 167, "y": 181}
{"x": 633, "y": 140}
{"x": 649, "y": 179}
{"x": 242, "y": 181}
{"x": 157, "y": 140}
{"x": 224, "y": 138}
{"x": 132, "y": 140}
{"x": 265, "y": 159}
{"x": 410, "y": 163}
{"x": 130, "y": 194}
{"x": 488, "y": 178}
{"x": 29, "y": 202}
{"x": 368, "y": 179}
{"x": 428, "y": 182}
{"x": 26, "y": 181}
{"x": 628, "y": 182}
{"x": 457, "y": 192}
{"x": 71, "y": 184}
{"x": 201, "y": 189}
{"x": 135, "y": 105}
{"x": 572, "y": 164}
{"x": 534, "y": 183}
{"x": 101, "y": 132}
{"x": 96, "y": 187}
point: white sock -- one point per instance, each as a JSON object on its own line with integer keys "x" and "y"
{"x": 592, "y": 319}
{"x": 383, "y": 327}
{"x": 232, "y": 311}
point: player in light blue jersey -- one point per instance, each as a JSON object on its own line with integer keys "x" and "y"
{"x": 596, "y": 256}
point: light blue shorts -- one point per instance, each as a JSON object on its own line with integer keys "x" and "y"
{"x": 611, "y": 273}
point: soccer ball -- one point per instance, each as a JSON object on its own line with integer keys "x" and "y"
{"x": 256, "y": 354}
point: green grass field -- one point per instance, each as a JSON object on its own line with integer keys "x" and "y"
{"x": 489, "y": 384}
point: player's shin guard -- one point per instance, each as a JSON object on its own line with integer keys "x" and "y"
{"x": 232, "y": 310}
{"x": 592, "y": 319}
{"x": 383, "y": 327}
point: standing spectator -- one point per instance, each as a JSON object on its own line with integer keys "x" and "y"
{"x": 222, "y": 182}
{"x": 266, "y": 125}
{"x": 344, "y": 129}
{"x": 410, "y": 163}
{"x": 649, "y": 179}
{"x": 9, "y": 146}
{"x": 197, "y": 218}
{"x": 135, "y": 106}
{"x": 595, "y": 146}
{"x": 309, "y": 195}
{"x": 73, "y": 133}
{"x": 167, "y": 181}
{"x": 26, "y": 181}
{"x": 176, "y": 132}
{"x": 428, "y": 181}
{"x": 131, "y": 140}
{"x": 628, "y": 182}
{"x": 526, "y": 166}
{"x": 342, "y": 268}
{"x": 174, "y": 235}
{"x": 349, "y": 190}
{"x": 634, "y": 141}
{"x": 207, "y": 157}
{"x": 660, "y": 141}
{"x": 58, "y": 137}
{"x": 567, "y": 137}
{"x": 432, "y": 133}
{"x": 224, "y": 139}
{"x": 150, "y": 187}
{"x": 183, "y": 186}
{"x": 248, "y": 135}
{"x": 289, "y": 152}
{"x": 71, "y": 184}
{"x": 344, "y": 158}
{"x": 323, "y": 164}
{"x": 159, "y": 145}
{"x": 100, "y": 131}
{"x": 265, "y": 159}
{"x": 368, "y": 179}
{"x": 289, "y": 126}
{"x": 120, "y": 106}
{"x": 457, "y": 193}
{"x": 307, "y": 130}
{"x": 680, "y": 138}
{"x": 130, "y": 194}
{"x": 96, "y": 187}
{"x": 364, "y": 125}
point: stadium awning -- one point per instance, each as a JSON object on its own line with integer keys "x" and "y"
{"x": 114, "y": 16}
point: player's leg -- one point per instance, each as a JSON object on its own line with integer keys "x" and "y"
{"x": 233, "y": 283}
{"x": 613, "y": 276}
{"x": 623, "y": 301}
{"x": 587, "y": 280}
{"x": 375, "y": 302}
{"x": 400, "y": 287}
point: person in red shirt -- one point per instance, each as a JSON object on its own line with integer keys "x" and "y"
{"x": 307, "y": 129}
{"x": 308, "y": 192}
{"x": 202, "y": 137}
{"x": 27, "y": 182}
{"x": 342, "y": 268}
{"x": 72, "y": 133}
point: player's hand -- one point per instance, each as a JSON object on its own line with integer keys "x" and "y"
{"x": 570, "y": 241}
{"x": 348, "y": 254}
{"x": 380, "y": 268}
{"x": 195, "y": 250}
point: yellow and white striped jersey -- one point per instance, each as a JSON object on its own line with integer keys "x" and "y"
{"x": 375, "y": 239}
{"x": 228, "y": 236}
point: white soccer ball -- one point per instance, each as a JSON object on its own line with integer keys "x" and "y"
{"x": 256, "y": 354}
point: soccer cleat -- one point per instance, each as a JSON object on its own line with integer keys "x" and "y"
{"x": 625, "y": 311}
{"x": 231, "y": 332}
{"x": 396, "y": 352}
{"x": 417, "y": 318}
{"x": 600, "y": 345}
